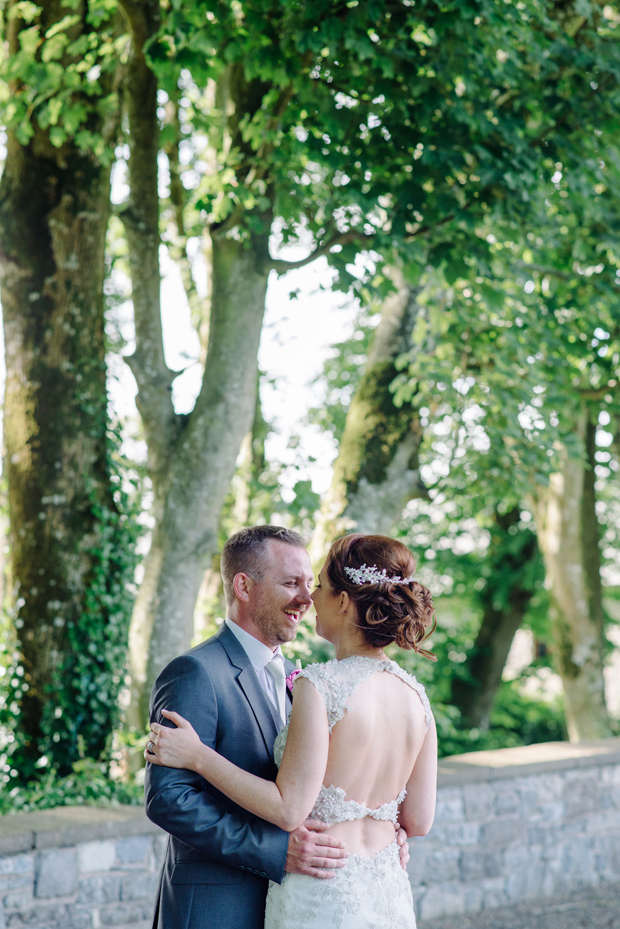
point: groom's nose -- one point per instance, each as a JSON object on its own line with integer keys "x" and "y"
{"x": 305, "y": 593}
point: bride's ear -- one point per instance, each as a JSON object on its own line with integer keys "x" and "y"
{"x": 344, "y": 601}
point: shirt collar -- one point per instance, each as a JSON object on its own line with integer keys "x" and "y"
{"x": 259, "y": 654}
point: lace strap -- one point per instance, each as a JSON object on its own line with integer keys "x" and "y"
{"x": 415, "y": 685}
{"x": 333, "y": 692}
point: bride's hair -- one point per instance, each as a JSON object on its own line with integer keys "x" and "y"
{"x": 388, "y": 611}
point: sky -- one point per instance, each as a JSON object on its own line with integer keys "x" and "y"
{"x": 296, "y": 339}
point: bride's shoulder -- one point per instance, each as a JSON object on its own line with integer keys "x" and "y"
{"x": 320, "y": 670}
{"x": 415, "y": 685}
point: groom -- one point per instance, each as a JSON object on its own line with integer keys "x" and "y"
{"x": 231, "y": 688}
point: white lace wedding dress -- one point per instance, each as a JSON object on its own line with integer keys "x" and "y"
{"x": 370, "y": 892}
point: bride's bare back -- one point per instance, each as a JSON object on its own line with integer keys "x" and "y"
{"x": 378, "y": 717}
{"x": 372, "y": 753}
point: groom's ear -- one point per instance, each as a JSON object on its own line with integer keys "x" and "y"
{"x": 242, "y": 584}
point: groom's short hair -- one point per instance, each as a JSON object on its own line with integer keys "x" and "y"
{"x": 244, "y": 552}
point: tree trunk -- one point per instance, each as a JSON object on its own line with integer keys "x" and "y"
{"x": 376, "y": 472}
{"x": 202, "y": 462}
{"x": 54, "y": 205}
{"x": 506, "y": 597}
{"x": 568, "y": 537}
{"x": 191, "y": 458}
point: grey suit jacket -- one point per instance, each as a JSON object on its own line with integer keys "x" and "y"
{"x": 219, "y": 857}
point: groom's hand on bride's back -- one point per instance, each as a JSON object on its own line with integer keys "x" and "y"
{"x": 403, "y": 846}
{"x": 311, "y": 851}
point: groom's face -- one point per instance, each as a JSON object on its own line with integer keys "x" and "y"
{"x": 281, "y": 597}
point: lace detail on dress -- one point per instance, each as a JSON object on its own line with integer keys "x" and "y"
{"x": 332, "y": 807}
{"x": 336, "y": 681}
{"x": 368, "y": 893}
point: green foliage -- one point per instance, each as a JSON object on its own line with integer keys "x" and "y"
{"x": 82, "y": 706}
{"x": 514, "y": 720}
{"x": 88, "y": 784}
{"x": 397, "y": 127}
{"x": 57, "y": 75}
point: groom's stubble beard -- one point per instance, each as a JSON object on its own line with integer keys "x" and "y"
{"x": 276, "y": 629}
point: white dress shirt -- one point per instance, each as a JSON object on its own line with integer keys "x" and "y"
{"x": 260, "y": 655}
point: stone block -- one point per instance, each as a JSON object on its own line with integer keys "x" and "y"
{"x": 139, "y": 886}
{"x": 581, "y": 793}
{"x": 157, "y": 850}
{"x": 473, "y": 899}
{"x": 56, "y": 873}
{"x": 578, "y": 860}
{"x": 493, "y": 893}
{"x": 18, "y": 899}
{"x": 607, "y": 821}
{"x": 507, "y": 803}
{"x": 99, "y": 889}
{"x": 443, "y": 865}
{"x": 96, "y": 856}
{"x": 545, "y": 788}
{"x": 450, "y": 807}
{"x": 123, "y": 914}
{"x": 133, "y": 851}
{"x": 457, "y": 834}
{"x": 48, "y": 915}
{"x": 606, "y": 850}
{"x": 548, "y": 812}
{"x": 478, "y": 802}
{"x": 443, "y": 900}
{"x": 555, "y": 834}
{"x": 520, "y": 856}
{"x": 17, "y": 864}
{"x": 13, "y": 881}
{"x": 478, "y": 864}
{"x": 80, "y": 917}
{"x": 610, "y": 774}
{"x": 525, "y": 883}
{"x": 503, "y": 832}
{"x": 418, "y": 868}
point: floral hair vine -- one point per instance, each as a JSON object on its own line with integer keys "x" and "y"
{"x": 370, "y": 574}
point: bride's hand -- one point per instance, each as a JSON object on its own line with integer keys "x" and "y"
{"x": 174, "y": 748}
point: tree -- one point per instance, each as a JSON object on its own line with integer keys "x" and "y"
{"x": 309, "y": 122}
{"x": 377, "y": 469}
{"x": 538, "y": 365}
{"x": 70, "y": 553}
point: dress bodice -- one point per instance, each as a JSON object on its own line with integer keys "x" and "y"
{"x": 336, "y": 681}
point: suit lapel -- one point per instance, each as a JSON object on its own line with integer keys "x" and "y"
{"x": 266, "y": 716}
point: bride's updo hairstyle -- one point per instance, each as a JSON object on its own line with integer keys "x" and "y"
{"x": 401, "y": 611}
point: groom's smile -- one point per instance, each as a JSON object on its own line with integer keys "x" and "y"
{"x": 281, "y": 596}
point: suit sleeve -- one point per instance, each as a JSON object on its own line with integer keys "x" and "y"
{"x": 184, "y": 805}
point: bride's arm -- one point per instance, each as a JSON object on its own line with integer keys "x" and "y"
{"x": 417, "y": 811}
{"x": 287, "y": 802}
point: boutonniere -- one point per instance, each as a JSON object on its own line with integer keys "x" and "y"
{"x": 290, "y": 678}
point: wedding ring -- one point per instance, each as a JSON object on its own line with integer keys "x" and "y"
{"x": 149, "y": 747}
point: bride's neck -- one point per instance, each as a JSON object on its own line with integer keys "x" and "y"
{"x": 349, "y": 646}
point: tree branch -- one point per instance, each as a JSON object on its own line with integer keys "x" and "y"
{"x": 140, "y": 217}
{"x": 281, "y": 266}
{"x": 136, "y": 15}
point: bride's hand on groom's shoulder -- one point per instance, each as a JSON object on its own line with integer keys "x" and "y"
{"x": 173, "y": 747}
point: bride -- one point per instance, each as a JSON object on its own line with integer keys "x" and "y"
{"x": 359, "y": 750}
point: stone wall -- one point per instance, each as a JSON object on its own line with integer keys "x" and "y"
{"x": 517, "y": 824}
{"x": 78, "y": 868}
{"x": 511, "y": 825}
